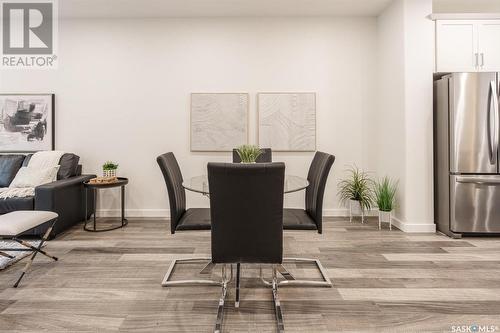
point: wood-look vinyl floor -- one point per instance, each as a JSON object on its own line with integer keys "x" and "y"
{"x": 384, "y": 281}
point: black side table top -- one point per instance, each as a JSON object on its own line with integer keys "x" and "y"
{"x": 120, "y": 182}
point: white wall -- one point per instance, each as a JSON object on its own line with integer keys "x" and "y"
{"x": 466, "y": 6}
{"x": 122, "y": 91}
{"x": 404, "y": 127}
{"x": 389, "y": 129}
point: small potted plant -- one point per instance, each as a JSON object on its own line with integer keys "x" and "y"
{"x": 385, "y": 197}
{"x": 109, "y": 169}
{"x": 248, "y": 153}
{"x": 356, "y": 190}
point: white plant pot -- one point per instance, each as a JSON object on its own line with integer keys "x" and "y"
{"x": 109, "y": 173}
{"x": 385, "y": 217}
{"x": 355, "y": 207}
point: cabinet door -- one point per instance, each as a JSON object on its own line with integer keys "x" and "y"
{"x": 489, "y": 45}
{"x": 456, "y": 46}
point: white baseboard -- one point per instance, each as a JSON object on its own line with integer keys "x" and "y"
{"x": 414, "y": 227}
{"x": 335, "y": 212}
{"x": 135, "y": 213}
{"x": 343, "y": 212}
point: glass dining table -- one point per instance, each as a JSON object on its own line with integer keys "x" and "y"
{"x": 199, "y": 184}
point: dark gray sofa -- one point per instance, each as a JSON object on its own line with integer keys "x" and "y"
{"x": 64, "y": 196}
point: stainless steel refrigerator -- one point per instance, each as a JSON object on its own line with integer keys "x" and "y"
{"x": 466, "y": 153}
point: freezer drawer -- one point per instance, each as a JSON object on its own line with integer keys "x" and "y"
{"x": 475, "y": 203}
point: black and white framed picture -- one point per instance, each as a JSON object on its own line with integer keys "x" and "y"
{"x": 27, "y": 122}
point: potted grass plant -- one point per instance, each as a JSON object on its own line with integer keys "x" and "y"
{"x": 356, "y": 190}
{"x": 248, "y": 153}
{"x": 385, "y": 198}
{"x": 109, "y": 169}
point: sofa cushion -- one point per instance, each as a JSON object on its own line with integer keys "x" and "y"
{"x": 9, "y": 165}
{"x": 13, "y": 204}
{"x": 27, "y": 159}
{"x": 68, "y": 163}
{"x": 68, "y": 166}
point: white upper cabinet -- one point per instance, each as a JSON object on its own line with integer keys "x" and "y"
{"x": 467, "y": 45}
{"x": 489, "y": 46}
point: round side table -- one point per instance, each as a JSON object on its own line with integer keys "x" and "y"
{"x": 121, "y": 182}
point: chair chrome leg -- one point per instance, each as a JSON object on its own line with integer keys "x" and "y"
{"x": 277, "y": 304}
{"x": 220, "y": 309}
{"x": 167, "y": 283}
{"x": 208, "y": 268}
{"x": 286, "y": 274}
{"x": 310, "y": 283}
{"x": 238, "y": 274}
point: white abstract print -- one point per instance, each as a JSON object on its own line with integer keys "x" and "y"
{"x": 219, "y": 122}
{"x": 287, "y": 121}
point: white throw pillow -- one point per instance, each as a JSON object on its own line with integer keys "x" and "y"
{"x": 33, "y": 177}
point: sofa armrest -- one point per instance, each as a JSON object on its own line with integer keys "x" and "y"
{"x": 66, "y": 198}
{"x": 63, "y": 183}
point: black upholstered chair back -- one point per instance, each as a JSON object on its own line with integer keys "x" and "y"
{"x": 317, "y": 177}
{"x": 265, "y": 157}
{"x": 176, "y": 193}
{"x": 246, "y": 204}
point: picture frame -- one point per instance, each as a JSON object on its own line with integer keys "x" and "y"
{"x": 27, "y": 122}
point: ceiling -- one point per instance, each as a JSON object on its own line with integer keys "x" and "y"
{"x": 466, "y": 6}
{"x": 214, "y": 8}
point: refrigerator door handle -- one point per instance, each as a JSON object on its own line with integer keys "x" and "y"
{"x": 494, "y": 99}
{"x": 478, "y": 180}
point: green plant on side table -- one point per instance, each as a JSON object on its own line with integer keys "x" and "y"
{"x": 248, "y": 153}
{"x": 385, "y": 197}
{"x": 356, "y": 190}
{"x": 109, "y": 169}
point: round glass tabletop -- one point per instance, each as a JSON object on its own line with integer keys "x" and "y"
{"x": 199, "y": 184}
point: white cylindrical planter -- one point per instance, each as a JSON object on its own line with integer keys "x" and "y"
{"x": 385, "y": 217}
{"x": 356, "y": 210}
{"x": 109, "y": 173}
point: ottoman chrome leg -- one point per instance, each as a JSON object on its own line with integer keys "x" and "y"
{"x": 35, "y": 251}
{"x": 3, "y": 254}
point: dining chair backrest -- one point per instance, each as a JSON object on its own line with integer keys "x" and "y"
{"x": 317, "y": 177}
{"x": 176, "y": 193}
{"x": 246, "y": 204}
{"x": 265, "y": 157}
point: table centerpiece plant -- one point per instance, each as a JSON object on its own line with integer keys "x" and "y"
{"x": 248, "y": 153}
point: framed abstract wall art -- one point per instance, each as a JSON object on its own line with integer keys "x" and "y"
{"x": 27, "y": 122}
{"x": 219, "y": 121}
{"x": 287, "y": 121}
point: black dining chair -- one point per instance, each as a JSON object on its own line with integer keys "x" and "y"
{"x": 310, "y": 218}
{"x": 181, "y": 219}
{"x": 246, "y": 202}
{"x": 265, "y": 157}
